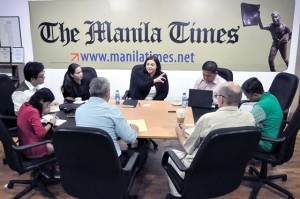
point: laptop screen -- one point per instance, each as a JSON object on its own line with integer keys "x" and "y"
{"x": 200, "y": 98}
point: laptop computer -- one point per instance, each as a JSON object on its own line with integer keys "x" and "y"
{"x": 201, "y": 102}
{"x": 200, "y": 98}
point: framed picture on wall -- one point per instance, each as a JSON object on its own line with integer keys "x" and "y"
{"x": 17, "y": 55}
{"x": 10, "y": 31}
{"x": 5, "y": 55}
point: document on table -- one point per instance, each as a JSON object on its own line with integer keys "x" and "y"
{"x": 48, "y": 117}
{"x": 140, "y": 123}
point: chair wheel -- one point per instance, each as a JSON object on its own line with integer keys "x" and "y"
{"x": 9, "y": 185}
{"x": 284, "y": 178}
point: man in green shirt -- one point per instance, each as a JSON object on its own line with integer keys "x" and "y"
{"x": 267, "y": 111}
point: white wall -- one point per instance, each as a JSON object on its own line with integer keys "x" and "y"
{"x": 180, "y": 81}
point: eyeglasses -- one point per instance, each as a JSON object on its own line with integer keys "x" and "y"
{"x": 216, "y": 96}
{"x": 42, "y": 76}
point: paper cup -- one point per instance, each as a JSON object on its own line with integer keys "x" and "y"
{"x": 180, "y": 114}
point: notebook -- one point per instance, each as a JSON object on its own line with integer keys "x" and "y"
{"x": 200, "y": 98}
{"x": 129, "y": 103}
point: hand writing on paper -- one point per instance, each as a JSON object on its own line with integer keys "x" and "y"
{"x": 134, "y": 127}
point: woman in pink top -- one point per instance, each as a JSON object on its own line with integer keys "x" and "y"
{"x": 30, "y": 127}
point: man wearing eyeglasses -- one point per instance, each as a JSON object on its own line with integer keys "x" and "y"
{"x": 210, "y": 80}
{"x": 228, "y": 115}
{"x": 34, "y": 76}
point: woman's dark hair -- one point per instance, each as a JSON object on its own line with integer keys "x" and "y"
{"x": 158, "y": 69}
{"x": 68, "y": 79}
{"x": 44, "y": 94}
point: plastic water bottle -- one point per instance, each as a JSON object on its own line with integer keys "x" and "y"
{"x": 184, "y": 100}
{"x": 117, "y": 97}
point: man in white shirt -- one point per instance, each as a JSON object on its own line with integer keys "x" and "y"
{"x": 228, "y": 115}
{"x": 210, "y": 80}
{"x": 34, "y": 76}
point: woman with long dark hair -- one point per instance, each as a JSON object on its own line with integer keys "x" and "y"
{"x": 150, "y": 83}
{"x": 29, "y": 123}
{"x": 74, "y": 84}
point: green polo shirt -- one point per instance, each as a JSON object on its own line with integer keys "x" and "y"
{"x": 268, "y": 118}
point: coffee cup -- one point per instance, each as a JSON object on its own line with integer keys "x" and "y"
{"x": 78, "y": 99}
{"x": 180, "y": 114}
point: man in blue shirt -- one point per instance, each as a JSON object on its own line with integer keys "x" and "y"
{"x": 98, "y": 113}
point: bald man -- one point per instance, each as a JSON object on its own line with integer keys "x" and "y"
{"x": 228, "y": 115}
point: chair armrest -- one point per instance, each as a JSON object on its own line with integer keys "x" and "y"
{"x": 10, "y": 117}
{"x": 126, "y": 95}
{"x": 131, "y": 162}
{"x": 28, "y": 146}
{"x": 275, "y": 140}
{"x": 175, "y": 159}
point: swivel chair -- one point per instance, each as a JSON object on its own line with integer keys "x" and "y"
{"x": 219, "y": 165}
{"x": 225, "y": 74}
{"x": 19, "y": 163}
{"x": 89, "y": 73}
{"x": 282, "y": 153}
{"x": 135, "y": 70}
{"x": 7, "y": 113}
{"x": 89, "y": 164}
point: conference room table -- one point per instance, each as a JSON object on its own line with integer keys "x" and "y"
{"x": 159, "y": 118}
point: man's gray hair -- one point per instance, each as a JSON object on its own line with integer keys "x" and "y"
{"x": 99, "y": 87}
{"x": 232, "y": 93}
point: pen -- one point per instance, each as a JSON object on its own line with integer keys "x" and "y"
{"x": 180, "y": 125}
{"x": 171, "y": 111}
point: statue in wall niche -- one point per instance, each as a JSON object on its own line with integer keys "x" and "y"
{"x": 280, "y": 33}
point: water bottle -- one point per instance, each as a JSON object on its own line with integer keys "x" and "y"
{"x": 117, "y": 97}
{"x": 184, "y": 100}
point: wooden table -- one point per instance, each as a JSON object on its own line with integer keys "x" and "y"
{"x": 159, "y": 116}
{"x": 159, "y": 120}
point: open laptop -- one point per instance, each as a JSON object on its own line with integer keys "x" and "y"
{"x": 201, "y": 102}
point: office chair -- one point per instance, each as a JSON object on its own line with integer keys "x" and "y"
{"x": 219, "y": 165}
{"x": 225, "y": 74}
{"x": 89, "y": 73}
{"x": 135, "y": 70}
{"x": 283, "y": 87}
{"x": 19, "y": 163}
{"x": 89, "y": 164}
{"x": 7, "y": 113}
{"x": 282, "y": 153}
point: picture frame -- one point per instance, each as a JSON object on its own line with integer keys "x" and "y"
{"x": 10, "y": 31}
{"x": 17, "y": 55}
{"x": 5, "y": 54}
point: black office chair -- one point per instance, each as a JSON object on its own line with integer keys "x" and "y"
{"x": 7, "y": 113}
{"x": 225, "y": 74}
{"x": 89, "y": 164}
{"x": 281, "y": 154}
{"x": 284, "y": 87}
{"x": 219, "y": 165}
{"x": 89, "y": 73}
{"x": 19, "y": 163}
{"x": 135, "y": 70}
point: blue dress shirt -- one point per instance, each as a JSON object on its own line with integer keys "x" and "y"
{"x": 98, "y": 113}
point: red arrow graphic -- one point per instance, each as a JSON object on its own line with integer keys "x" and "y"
{"x": 75, "y": 55}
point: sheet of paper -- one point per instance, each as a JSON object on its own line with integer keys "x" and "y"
{"x": 60, "y": 122}
{"x": 140, "y": 123}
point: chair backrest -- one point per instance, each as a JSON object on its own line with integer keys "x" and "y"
{"x": 134, "y": 71}
{"x": 89, "y": 73}
{"x": 219, "y": 165}
{"x": 284, "y": 87}
{"x": 285, "y": 150}
{"x": 12, "y": 158}
{"x": 89, "y": 164}
{"x": 225, "y": 74}
{"x": 7, "y": 88}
